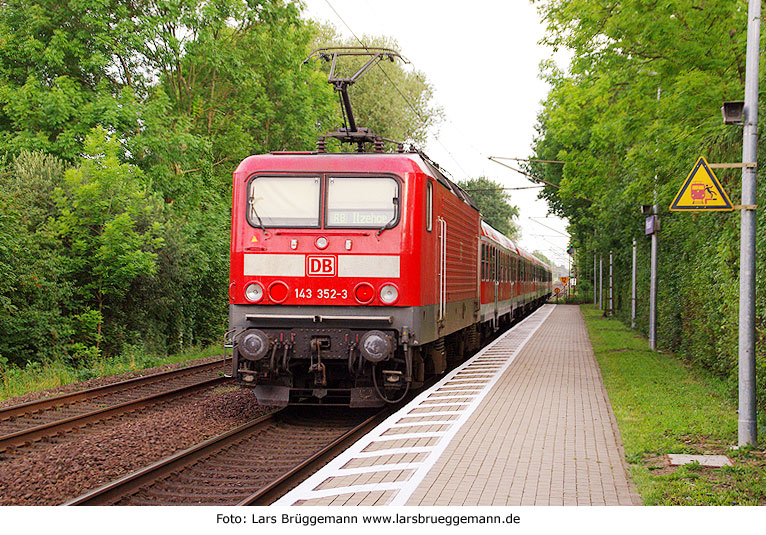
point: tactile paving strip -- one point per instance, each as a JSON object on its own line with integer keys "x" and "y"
{"x": 387, "y": 465}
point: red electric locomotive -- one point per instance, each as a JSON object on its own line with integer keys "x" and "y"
{"x": 354, "y": 275}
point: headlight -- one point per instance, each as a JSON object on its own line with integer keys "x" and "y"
{"x": 253, "y": 344}
{"x": 389, "y": 294}
{"x": 376, "y": 346}
{"x": 254, "y": 292}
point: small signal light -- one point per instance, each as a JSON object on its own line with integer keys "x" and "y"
{"x": 278, "y": 291}
{"x": 364, "y": 292}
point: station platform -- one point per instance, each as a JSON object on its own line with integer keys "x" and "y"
{"x": 526, "y": 421}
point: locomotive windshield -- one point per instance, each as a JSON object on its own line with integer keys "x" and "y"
{"x": 361, "y": 202}
{"x": 280, "y": 201}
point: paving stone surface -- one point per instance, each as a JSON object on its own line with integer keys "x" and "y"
{"x": 544, "y": 435}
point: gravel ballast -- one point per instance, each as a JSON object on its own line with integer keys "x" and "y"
{"x": 53, "y": 473}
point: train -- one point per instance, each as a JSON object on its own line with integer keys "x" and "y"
{"x": 354, "y": 276}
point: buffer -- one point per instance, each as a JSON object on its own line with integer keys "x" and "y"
{"x": 701, "y": 192}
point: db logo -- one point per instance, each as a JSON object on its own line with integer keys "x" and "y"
{"x": 320, "y": 266}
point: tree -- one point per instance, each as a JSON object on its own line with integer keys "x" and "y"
{"x": 32, "y": 288}
{"x": 109, "y": 227}
{"x": 62, "y": 72}
{"x": 542, "y": 257}
{"x": 493, "y": 204}
{"x": 231, "y": 87}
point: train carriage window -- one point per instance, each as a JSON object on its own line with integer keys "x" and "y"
{"x": 501, "y": 276}
{"x": 429, "y": 205}
{"x": 284, "y": 201}
{"x": 362, "y": 202}
{"x": 486, "y": 263}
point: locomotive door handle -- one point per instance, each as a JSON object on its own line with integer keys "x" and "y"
{"x": 442, "y": 267}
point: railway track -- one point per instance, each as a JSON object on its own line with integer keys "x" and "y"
{"x": 251, "y": 465}
{"x": 39, "y": 420}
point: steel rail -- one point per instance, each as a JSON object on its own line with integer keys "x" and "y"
{"x": 280, "y": 486}
{"x": 125, "y": 486}
{"x": 73, "y": 397}
{"x": 33, "y": 434}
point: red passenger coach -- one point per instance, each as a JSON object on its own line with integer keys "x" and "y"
{"x": 513, "y": 281}
{"x": 355, "y": 275}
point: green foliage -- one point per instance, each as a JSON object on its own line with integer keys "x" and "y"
{"x": 31, "y": 287}
{"x": 493, "y": 203}
{"x": 109, "y": 227}
{"x": 218, "y": 101}
{"x": 640, "y": 104}
{"x": 57, "y": 78}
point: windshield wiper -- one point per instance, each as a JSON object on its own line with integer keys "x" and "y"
{"x": 255, "y": 212}
{"x": 391, "y": 223}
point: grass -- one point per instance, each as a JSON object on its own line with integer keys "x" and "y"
{"x": 15, "y": 381}
{"x": 663, "y": 406}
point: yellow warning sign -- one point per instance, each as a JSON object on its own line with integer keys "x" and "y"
{"x": 255, "y": 239}
{"x": 564, "y": 280}
{"x": 701, "y": 191}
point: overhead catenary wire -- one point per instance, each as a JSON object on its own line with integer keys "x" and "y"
{"x": 546, "y": 226}
{"x": 469, "y": 190}
{"x": 526, "y": 159}
{"x": 532, "y": 177}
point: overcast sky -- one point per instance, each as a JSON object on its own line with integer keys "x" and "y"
{"x": 482, "y": 58}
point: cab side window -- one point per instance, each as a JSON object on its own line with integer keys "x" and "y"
{"x": 429, "y": 206}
